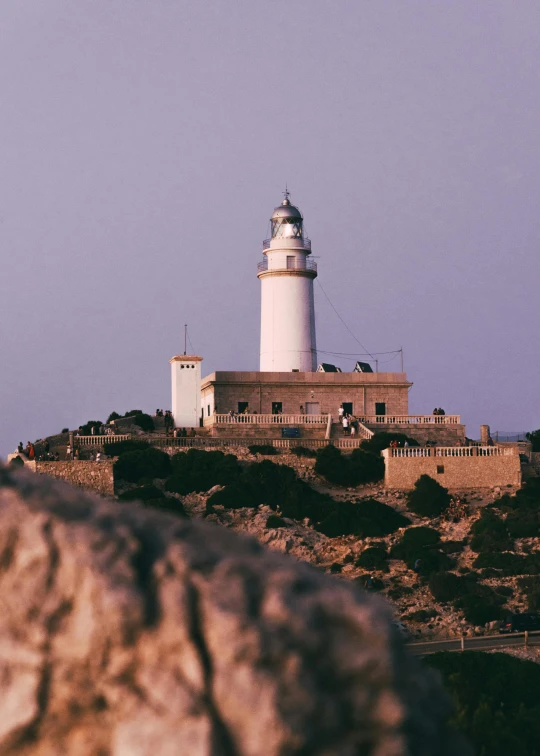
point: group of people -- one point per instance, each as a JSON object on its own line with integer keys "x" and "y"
{"x": 29, "y": 450}
{"x": 395, "y": 444}
{"x": 438, "y": 411}
{"x": 167, "y": 415}
{"x": 183, "y": 433}
{"x": 349, "y": 423}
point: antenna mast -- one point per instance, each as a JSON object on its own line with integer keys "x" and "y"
{"x": 185, "y": 338}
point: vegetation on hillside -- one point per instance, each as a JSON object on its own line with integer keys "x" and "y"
{"x": 496, "y": 699}
{"x": 348, "y": 469}
{"x": 428, "y": 498}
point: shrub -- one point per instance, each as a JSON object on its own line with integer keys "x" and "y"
{"x": 373, "y": 558}
{"x": 479, "y": 611}
{"x": 489, "y": 533}
{"x": 421, "y": 615}
{"x": 116, "y": 448}
{"x": 331, "y": 464}
{"x": 142, "y": 493}
{"x": 523, "y": 523}
{"x": 414, "y": 540}
{"x": 367, "y": 519}
{"x": 420, "y": 549}
{"x": 508, "y": 563}
{"x": 154, "y": 498}
{"x": 452, "y": 547}
{"x": 144, "y": 422}
{"x": 534, "y": 438}
{"x": 428, "y": 498}
{"x": 397, "y": 593}
{"x": 445, "y": 586}
{"x": 504, "y": 590}
{"x": 234, "y": 496}
{"x": 275, "y": 521}
{"x": 86, "y": 429}
{"x": 16, "y": 462}
{"x": 365, "y": 467}
{"x": 150, "y": 463}
{"x": 132, "y": 413}
{"x": 380, "y": 441}
{"x": 358, "y": 467}
{"x": 266, "y": 449}
{"x": 113, "y": 416}
{"x": 303, "y": 451}
{"x": 496, "y": 700}
{"x": 336, "y": 567}
{"x": 197, "y": 470}
{"x": 65, "y": 430}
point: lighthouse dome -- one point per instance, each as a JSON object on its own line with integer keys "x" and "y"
{"x": 286, "y": 210}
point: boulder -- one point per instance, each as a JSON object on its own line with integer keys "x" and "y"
{"x": 127, "y": 632}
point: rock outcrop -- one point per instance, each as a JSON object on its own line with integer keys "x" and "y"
{"x": 126, "y": 632}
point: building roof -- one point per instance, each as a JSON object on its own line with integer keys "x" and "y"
{"x": 326, "y": 367}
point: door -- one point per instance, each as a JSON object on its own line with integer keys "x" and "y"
{"x": 277, "y": 408}
{"x": 347, "y": 408}
{"x": 313, "y": 408}
{"x": 380, "y": 408}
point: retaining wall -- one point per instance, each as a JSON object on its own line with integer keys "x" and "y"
{"x": 92, "y": 476}
{"x": 453, "y": 472}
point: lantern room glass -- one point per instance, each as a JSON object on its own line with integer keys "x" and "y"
{"x": 290, "y": 228}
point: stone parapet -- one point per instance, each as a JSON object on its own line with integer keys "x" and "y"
{"x": 92, "y": 476}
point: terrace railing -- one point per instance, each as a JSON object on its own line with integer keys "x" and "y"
{"x": 451, "y": 451}
{"x": 410, "y": 419}
{"x": 100, "y": 440}
{"x": 219, "y": 419}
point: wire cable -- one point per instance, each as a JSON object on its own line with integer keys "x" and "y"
{"x": 344, "y": 323}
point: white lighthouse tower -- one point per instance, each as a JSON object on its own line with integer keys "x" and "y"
{"x": 287, "y": 303}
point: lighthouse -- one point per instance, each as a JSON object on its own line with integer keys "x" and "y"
{"x": 287, "y": 303}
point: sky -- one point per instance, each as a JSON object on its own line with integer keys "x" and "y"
{"x": 145, "y": 143}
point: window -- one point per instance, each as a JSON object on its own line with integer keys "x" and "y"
{"x": 277, "y": 408}
{"x": 347, "y": 408}
{"x": 440, "y": 469}
{"x": 380, "y": 408}
{"x": 242, "y": 407}
{"x": 291, "y": 262}
{"x": 208, "y": 410}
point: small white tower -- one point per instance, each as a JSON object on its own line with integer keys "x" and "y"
{"x": 186, "y": 390}
{"x": 287, "y": 303}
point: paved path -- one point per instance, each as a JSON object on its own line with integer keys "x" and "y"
{"x": 479, "y": 643}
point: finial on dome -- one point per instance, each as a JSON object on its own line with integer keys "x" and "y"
{"x": 286, "y": 194}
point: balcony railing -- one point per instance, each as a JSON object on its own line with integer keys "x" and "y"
{"x": 266, "y": 420}
{"x": 410, "y": 419}
{"x": 450, "y": 451}
{"x": 291, "y": 265}
{"x": 306, "y": 243}
{"x": 100, "y": 440}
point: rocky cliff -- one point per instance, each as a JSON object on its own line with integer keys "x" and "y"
{"x": 126, "y": 632}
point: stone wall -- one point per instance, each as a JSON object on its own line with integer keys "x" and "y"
{"x": 455, "y": 473}
{"x": 92, "y": 476}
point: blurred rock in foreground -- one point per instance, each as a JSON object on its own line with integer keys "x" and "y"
{"x": 126, "y": 632}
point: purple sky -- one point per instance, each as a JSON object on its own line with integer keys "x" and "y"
{"x": 144, "y": 144}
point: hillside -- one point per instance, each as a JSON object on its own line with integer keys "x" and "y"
{"x": 453, "y": 574}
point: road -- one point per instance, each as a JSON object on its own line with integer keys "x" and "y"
{"x": 478, "y": 643}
